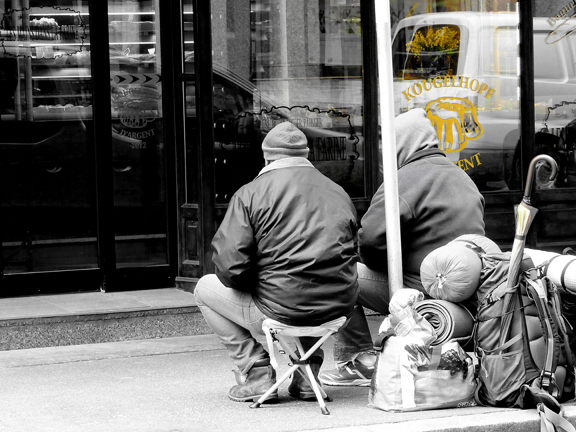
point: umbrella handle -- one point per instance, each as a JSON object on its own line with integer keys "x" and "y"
{"x": 531, "y": 173}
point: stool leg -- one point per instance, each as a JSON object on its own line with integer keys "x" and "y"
{"x": 322, "y": 392}
{"x": 316, "y": 389}
{"x": 306, "y": 355}
{"x": 274, "y": 387}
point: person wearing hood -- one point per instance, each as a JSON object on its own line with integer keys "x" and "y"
{"x": 287, "y": 250}
{"x": 438, "y": 202}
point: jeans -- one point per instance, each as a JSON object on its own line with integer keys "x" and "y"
{"x": 234, "y": 318}
{"x": 354, "y": 338}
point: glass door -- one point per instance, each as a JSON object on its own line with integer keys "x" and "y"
{"x": 47, "y": 186}
{"x": 137, "y": 134}
{"x": 77, "y": 174}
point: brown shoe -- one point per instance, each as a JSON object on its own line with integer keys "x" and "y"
{"x": 258, "y": 381}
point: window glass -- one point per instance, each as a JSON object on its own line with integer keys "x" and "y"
{"x": 555, "y": 90}
{"x": 297, "y": 61}
{"x": 47, "y": 183}
{"x": 137, "y": 135}
{"x": 459, "y": 61}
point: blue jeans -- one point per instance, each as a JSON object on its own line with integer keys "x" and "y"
{"x": 354, "y": 338}
{"x": 234, "y": 318}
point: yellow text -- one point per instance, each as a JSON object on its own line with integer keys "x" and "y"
{"x": 448, "y": 81}
{"x": 472, "y": 162}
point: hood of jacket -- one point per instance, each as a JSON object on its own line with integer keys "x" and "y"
{"x": 414, "y": 132}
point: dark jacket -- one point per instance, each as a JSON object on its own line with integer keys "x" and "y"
{"x": 289, "y": 238}
{"x": 438, "y": 201}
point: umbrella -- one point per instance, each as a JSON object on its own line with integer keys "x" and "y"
{"x": 389, "y": 163}
{"x": 524, "y": 216}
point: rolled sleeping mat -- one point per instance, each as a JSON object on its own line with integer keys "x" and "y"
{"x": 539, "y": 257}
{"x": 451, "y": 272}
{"x": 560, "y": 269}
{"x": 451, "y": 321}
{"x": 489, "y": 246}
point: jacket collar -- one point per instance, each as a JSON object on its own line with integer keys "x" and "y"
{"x": 421, "y": 154}
{"x": 286, "y": 163}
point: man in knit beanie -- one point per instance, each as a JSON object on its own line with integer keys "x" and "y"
{"x": 286, "y": 250}
{"x": 438, "y": 202}
{"x": 283, "y": 141}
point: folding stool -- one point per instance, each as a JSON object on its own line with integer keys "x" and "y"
{"x": 278, "y": 332}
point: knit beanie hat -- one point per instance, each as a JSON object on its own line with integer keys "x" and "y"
{"x": 285, "y": 140}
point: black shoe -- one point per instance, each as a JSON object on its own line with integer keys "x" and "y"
{"x": 299, "y": 387}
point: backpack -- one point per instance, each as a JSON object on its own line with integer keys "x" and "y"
{"x": 522, "y": 342}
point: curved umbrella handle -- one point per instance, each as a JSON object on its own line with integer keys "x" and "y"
{"x": 531, "y": 173}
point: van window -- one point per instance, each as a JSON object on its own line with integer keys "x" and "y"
{"x": 501, "y": 54}
{"x": 429, "y": 52}
{"x": 548, "y": 62}
{"x": 506, "y": 40}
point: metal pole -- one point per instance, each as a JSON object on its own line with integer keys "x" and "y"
{"x": 389, "y": 164}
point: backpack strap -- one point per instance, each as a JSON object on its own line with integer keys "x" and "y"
{"x": 510, "y": 300}
{"x": 551, "y": 421}
{"x": 539, "y": 295}
{"x": 559, "y": 316}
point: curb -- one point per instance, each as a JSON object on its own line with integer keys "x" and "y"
{"x": 503, "y": 420}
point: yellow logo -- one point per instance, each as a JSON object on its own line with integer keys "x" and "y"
{"x": 456, "y": 122}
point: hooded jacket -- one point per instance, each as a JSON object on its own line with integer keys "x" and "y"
{"x": 289, "y": 238}
{"x": 437, "y": 201}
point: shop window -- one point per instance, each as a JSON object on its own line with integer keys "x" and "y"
{"x": 462, "y": 68}
{"x": 297, "y": 61}
{"x": 555, "y": 90}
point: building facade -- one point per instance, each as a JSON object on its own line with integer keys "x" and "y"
{"x": 126, "y": 125}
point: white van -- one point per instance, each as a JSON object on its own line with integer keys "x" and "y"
{"x": 462, "y": 68}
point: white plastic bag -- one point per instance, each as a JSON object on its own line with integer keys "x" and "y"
{"x": 413, "y": 376}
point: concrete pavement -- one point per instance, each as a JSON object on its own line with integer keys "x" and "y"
{"x": 180, "y": 384}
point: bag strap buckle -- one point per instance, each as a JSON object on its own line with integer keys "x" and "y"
{"x": 546, "y": 379}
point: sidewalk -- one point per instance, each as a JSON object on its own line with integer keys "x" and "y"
{"x": 180, "y": 384}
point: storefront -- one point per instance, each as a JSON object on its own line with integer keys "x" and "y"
{"x": 126, "y": 126}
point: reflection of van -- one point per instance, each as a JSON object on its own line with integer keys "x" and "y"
{"x": 462, "y": 67}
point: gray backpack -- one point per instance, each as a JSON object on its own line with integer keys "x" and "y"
{"x": 522, "y": 342}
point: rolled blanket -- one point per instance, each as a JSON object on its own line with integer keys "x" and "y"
{"x": 451, "y": 272}
{"x": 560, "y": 269}
{"x": 451, "y": 321}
